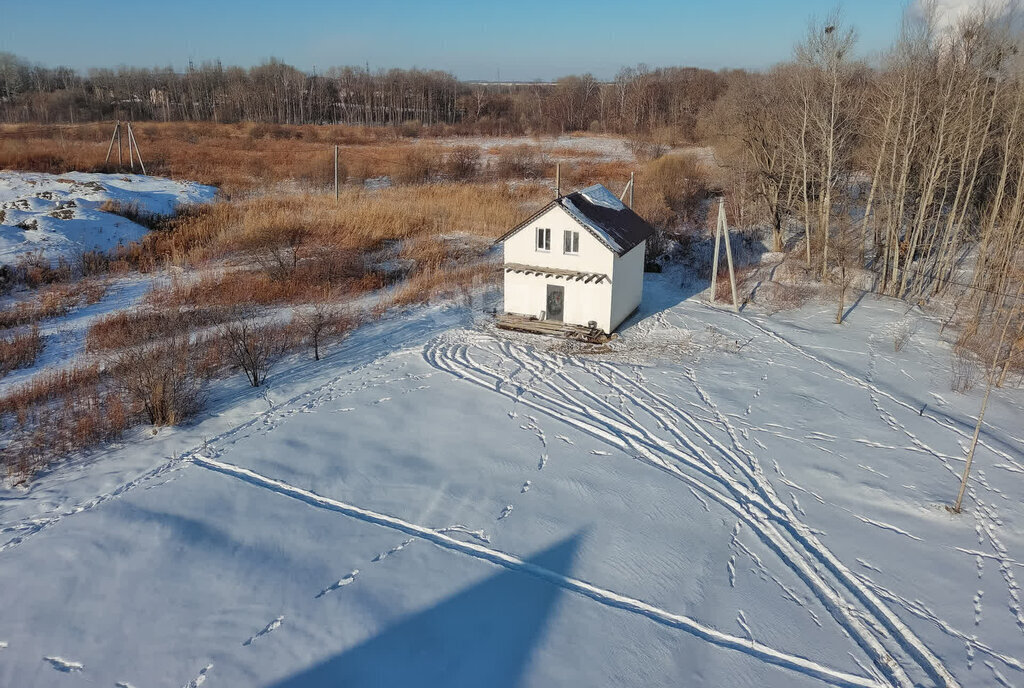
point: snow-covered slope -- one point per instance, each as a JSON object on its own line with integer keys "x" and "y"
{"x": 60, "y": 215}
{"x": 722, "y": 500}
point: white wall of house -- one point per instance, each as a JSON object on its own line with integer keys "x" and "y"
{"x": 584, "y": 303}
{"x": 628, "y": 278}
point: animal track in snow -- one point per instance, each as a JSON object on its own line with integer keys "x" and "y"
{"x": 543, "y": 462}
{"x": 977, "y": 606}
{"x": 123, "y": 684}
{"x": 505, "y": 512}
{"x": 600, "y": 452}
{"x": 345, "y": 410}
{"x": 3, "y": 644}
{"x": 741, "y": 619}
{"x": 272, "y": 626}
{"x": 564, "y": 439}
{"x": 703, "y": 502}
{"x": 65, "y": 665}
{"x": 887, "y": 526}
{"x": 396, "y": 548}
{"x": 731, "y": 568}
{"x": 868, "y": 566}
{"x": 340, "y": 584}
{"x": 382, "y": 400}
{"x": 525, "y": 488}
{"x": 200, "y": 679}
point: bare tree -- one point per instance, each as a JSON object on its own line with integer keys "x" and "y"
{"x": 254, "y": 346}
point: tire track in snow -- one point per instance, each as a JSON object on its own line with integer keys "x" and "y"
{"x": 755, "y": 503}
{"x": 514, "y": 563}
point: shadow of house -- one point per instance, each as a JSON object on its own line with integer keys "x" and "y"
{"x": 482, "y": 636}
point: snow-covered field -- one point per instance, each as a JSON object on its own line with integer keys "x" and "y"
{"x": 59, "y": 215}
{"x": 719, "y": 500}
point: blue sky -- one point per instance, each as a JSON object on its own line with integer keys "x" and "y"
{"x": 475, "y": 40}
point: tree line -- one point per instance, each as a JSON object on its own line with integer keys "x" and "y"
{"x": 638, "y": 101}
{"x": 912, "y": 169}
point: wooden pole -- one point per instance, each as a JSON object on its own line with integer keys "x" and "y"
{"x": 714, "y": 262}
{"x": 118, "y": 130}
{"x": 131, "y": 155}
{"x": 728, "y": 254}
{"x": 135, "y": 142}
{"x": 558, "y": 179}
{"x": 336, "y": 193}
{"x": 631, "y": 190}
{"x": 111, "y": 146}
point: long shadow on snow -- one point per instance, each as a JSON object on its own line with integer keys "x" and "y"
{"x": 482, "y": 636}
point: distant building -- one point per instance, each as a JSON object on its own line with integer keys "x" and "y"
{"x": 580, "y": 261}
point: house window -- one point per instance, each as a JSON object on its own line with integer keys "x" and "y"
{"x": 571, "y": 242}
{"x": 543, "y": 239}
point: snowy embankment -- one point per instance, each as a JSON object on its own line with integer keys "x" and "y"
{"x": 719, "y": 500}
{"x": 60, "y": 216}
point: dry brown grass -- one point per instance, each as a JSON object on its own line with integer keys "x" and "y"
{"x": 47, "y": 386}
{"x": 20, "y": 350}
{"x": 145, "y": 325}
{"x": 51, "y": 302}
{"x": 233, "y": 157}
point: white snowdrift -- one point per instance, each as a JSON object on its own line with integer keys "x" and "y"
{"x": 60, "y": 215}
{"x": 724, "y": 499}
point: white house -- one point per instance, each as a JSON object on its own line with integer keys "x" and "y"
{"x": 580, "y": 260}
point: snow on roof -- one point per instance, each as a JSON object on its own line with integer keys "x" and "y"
{"x": 609, "y": 219}
{"x": 596, "y": 228}
{"x": 598, "y": 194}
{"x": 602, "y": 214}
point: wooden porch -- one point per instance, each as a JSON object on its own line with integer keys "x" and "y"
{"x": 551, "y": 328}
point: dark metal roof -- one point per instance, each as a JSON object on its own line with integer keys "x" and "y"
{"x": 625, "y": 228}
{"x": 613, "y": 224}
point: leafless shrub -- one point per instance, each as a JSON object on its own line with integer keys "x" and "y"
{"x": 161, "y": 380}
{"x": 277, "y": 249}
{"x": 519, "y": 162}
{"x": 462, "y": 163}
{"x": 34, "y": 270}
{"x": 902, "y": 333}
{"x": 322, "y": 319}
{"x": 416, "y": 165}
{"x": 776, "y": 297}
{"x": 643, "y": 148}
{"x": 255, "y": 347}
{"x": 965, "y": 371}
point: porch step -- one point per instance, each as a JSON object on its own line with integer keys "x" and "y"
{"x": 525, "y": 323}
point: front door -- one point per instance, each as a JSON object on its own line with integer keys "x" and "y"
{"x": 556, "y": 300}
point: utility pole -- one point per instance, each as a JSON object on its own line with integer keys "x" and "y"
{"x": 722, "y": 229}
{"x": 558, "y": 179}
{"x": 335, "y": 173}
{"x": 631, "y": 190}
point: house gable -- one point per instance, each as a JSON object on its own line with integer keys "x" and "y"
{"x": 593, "y": 254}
{"x": 601, "y": 214}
